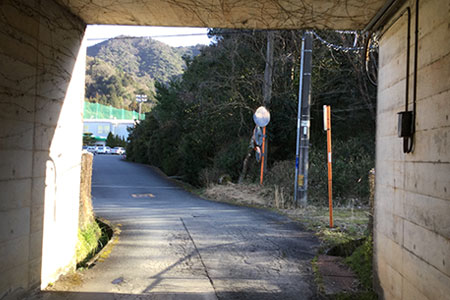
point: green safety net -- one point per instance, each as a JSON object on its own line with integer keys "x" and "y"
{"x": 100, "y": 111}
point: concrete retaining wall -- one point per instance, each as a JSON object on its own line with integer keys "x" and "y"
{"x": 86, "y": 215}
{"x": 412, "y": 205}
{"x": 41, "y": 97}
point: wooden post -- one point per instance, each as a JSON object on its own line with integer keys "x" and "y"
{"x": 327, "y": 127}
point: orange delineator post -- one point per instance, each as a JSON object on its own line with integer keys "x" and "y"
{"x": 263, "y": 155}
{"x": 330, "y": 173}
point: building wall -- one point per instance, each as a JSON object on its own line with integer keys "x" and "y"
{"x": 117, "y": 127}
{"x": 41, "y": 98}
{"x": 412, "y": 206}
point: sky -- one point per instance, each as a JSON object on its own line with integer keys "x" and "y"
{"x": 187, "y": 36}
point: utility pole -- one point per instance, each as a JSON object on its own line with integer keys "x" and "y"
{"x": 303, "y": 122}
{"x": 267, "y": 92}
{"x": 267, "y": 95}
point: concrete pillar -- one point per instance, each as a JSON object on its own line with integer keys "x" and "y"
{"x": 41, "y": 97}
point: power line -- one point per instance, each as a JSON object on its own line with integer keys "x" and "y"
{"x": 148, "y": 36}
{"x": 322, "y": 40}
{"x": 228, "y": 32}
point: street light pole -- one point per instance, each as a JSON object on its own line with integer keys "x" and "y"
{"x": 141, "y": 98}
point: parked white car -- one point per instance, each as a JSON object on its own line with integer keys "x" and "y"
{"x": 118, "y": 150}
{"x": 92, "y": 149}
{"x": 103, "y": 150}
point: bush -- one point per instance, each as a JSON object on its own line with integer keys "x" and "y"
{"x": 281, "y": 178}
{"x": 361, "y": 262}
{"x": 352, "y": 162}
{"x": 229, "y": 160}
{"x": 209, "y": 176}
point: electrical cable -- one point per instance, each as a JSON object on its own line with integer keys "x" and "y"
{"x": 338, "y": 47}
{"x": 366, "y": 57}
{"x": 124, "y": 37}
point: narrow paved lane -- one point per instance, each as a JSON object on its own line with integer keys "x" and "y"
{"x": 174, "y": 245}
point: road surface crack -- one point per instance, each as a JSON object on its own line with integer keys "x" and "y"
{"x": 200, "y": 257}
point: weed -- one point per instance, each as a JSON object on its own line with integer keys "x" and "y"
{"x": 318, "y": 279}
{"x": 87, "y": 241}
{"x": 361, "y": 262}
{"x": 91, "y": 240}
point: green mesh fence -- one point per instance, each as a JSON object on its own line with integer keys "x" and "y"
{"x": 99, "y": 111}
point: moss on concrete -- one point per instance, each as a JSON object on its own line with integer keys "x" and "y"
{"x": 361, "y": 262}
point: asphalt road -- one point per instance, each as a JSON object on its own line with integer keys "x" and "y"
{"x": 174, "y": 245}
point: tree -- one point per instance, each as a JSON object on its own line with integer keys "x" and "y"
{"x": 88, "y": 139}
{"x": 202, "y": 122}
{"x": 115, "y": 141}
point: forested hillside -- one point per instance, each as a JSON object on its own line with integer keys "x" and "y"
{"x": 120, "y": 68}
{"x": 201, "y": 127}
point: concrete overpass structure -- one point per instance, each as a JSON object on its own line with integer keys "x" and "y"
{"x": 42, "y": 55}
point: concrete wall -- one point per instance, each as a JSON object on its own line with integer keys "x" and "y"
{"x": 41, "y": 98}
{"x": 412, "y": 206}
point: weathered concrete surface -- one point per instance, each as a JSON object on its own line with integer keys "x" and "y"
{"x": 175, "y": 245}
{"x": 337, "y": 277}
{"x": 412, "y": 205}
{"x": 41, "y": 94}
{"x": 86, "y": 213}
{"x": 258, "y": 14}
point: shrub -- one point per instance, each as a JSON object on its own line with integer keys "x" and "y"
{"x": 280, "y": 177}
{"x": 209, "y": 176}
{"x": 229, "y": 160}
{"x": 361, "y": 262}
{"x": 351, "y": 165}
{"x": 352, "y": 161}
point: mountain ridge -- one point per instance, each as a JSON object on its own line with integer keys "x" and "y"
{"x": 119, "y": 68}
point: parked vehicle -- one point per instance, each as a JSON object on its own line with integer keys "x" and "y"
{"x": 92, "y": 149}
{"x": 118, "y": 150}
{"x": 103, "y": 150}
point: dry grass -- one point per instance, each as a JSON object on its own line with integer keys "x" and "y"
{"x": 251, "y": 194}
{"x": 248, "y": 194}
{"x": 349, "y": 222}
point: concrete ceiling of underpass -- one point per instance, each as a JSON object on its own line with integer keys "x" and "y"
{"x": 257, "y": 14}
